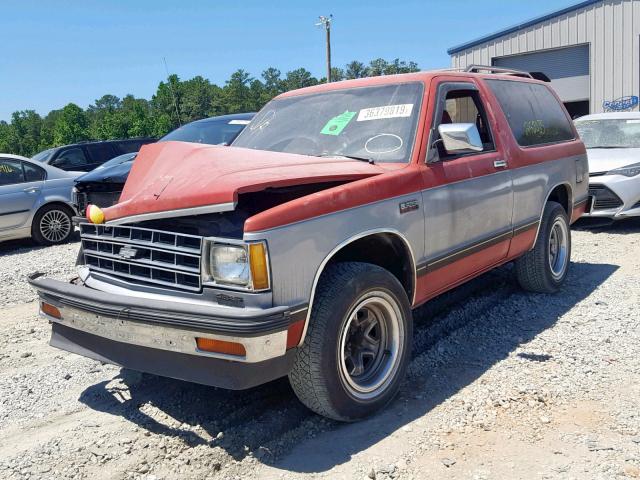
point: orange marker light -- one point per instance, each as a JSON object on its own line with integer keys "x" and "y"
{"x": 50, "y": 310}
{"x": 220, "y": 346}
{"x": 259, "y": 267}
{"x": 95, "y": 214}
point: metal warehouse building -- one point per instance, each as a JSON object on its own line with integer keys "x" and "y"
{"x": 590, "y": 51}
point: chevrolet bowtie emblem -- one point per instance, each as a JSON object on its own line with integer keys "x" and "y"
{"x": 128, "y": 252}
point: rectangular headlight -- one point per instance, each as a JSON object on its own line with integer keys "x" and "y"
{"x": 242, "y": 265}
{"x": 628, "y": 171}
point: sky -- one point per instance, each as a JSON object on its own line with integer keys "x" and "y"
{"x": 55, "y": 52}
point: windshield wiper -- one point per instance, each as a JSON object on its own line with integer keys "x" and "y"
{"x": 350, "y": 157}
{"x": 607, "y": 146}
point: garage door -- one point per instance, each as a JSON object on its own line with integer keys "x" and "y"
{"x": 568, "y": 69}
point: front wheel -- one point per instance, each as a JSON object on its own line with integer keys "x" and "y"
{"x": 357, "y": 346}
{"x": 52, "y": 225}
{"x": 544, "y": 268}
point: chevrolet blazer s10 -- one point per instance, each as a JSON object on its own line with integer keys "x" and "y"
{"x": 302, "y": 249}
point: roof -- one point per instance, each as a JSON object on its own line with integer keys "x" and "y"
{"x": 612, "y": 116}
{"x": 520, "y": 26}
{"x": 424, "y": 76}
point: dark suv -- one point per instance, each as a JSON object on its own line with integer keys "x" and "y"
{"x": 85, "y": 156}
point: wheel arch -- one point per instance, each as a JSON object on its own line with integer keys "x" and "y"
{"x": 561, "y": 193}
{"x": 392, "y": 239}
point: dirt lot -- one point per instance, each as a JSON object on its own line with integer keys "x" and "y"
{"x": 502, "y": 384}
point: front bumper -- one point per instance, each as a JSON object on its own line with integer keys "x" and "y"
{"x": 156, "y": 336}
{"x": 621, "y": 197}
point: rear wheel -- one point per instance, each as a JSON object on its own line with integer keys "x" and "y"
{"x": 544, "y": 268}
{"x": 51, "y": 225}
{"x": 357, "y": 346}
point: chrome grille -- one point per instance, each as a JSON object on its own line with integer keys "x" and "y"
{"x": 143, "y": 256}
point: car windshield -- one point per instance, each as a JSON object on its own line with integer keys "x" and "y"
{"x": 373, "y": 123}
{"x": 43, "y": 156}
{"x": 212, "y": 132}
{"x": 118, "y": 160}
{"x": 610, "y": 133}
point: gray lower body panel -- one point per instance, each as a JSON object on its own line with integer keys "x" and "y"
{"x": 191, "y": 368}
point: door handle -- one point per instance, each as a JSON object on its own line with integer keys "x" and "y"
{"x": 500, "y": 163}
{"x": 31, "y": 190}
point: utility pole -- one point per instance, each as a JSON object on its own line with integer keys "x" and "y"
{"x": 326, "y": 23}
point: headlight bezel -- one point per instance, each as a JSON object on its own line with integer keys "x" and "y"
{"x": 634, "y": 167}
{"x": 207, "y": 271}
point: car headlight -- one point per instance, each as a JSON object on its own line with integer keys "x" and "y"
{"x": 628, "y": 171}
{"x": 243, "y": 265}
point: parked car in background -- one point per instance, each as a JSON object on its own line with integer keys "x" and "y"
{"x": 35, "y": 200}
{"x": 103, "y": 185}
{"x": 85, "y": 156}
{"x": 613, "y": 148}
{"x": 301, "y": 249}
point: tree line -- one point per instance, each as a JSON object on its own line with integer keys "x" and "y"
{"x": 174, "y": 103}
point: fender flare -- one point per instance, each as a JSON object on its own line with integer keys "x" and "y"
{"x": 546, "y": 199}
{"x": 339, "y": 247}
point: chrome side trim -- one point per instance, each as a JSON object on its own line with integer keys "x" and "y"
{"x": 182, "y": 212}
{"x": 339, "y": 247}
{"x": 546, "y": 199}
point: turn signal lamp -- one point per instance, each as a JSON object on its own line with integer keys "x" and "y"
{"x": 259, "y": 267}
{"x": 50, "y": 310}
{"x": 220, "y": 346}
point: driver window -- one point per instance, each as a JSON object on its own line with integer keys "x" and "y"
{"x": 465, "y": 106}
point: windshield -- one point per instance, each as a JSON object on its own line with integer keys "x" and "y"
{"x": 610, "y": 133}
{"x": 212, "y": 132}
{"x": 43, "y": 156}
{"x": 118, "y": 160}
{"x": 375, "y": 123}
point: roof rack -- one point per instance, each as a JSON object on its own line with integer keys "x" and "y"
{"x": 491, "y": 69}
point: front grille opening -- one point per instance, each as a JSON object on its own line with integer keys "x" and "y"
{"x": 164, "y": 257}
{"x": 165, "y": 238}
{"x": 191, "y": 262}
{"x": 163, "y": 276}
{"x": 120, "y": 232}
{"x": 605, "y": 198}
{"x": 139, "y": 271}
{"x": 192, "y": 280}
{"x": 92, "y": 261}
{"x": 105, "y": 263}
{"x": 142, "y": 235}
{"x": 121, "y": 267}
{"x": 189, "y": 242}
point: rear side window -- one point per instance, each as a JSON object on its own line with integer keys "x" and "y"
{"x": 72, "y": 159}
{"x": 101, "y": 152}
{"x": 534, "y": 114}
{"x": 33, "y": 173}
{"x": 130, "y": 146}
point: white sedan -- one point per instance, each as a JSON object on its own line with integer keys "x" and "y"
{"x": 613, "y": 149}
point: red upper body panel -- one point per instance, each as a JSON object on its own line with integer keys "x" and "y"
{"x": 169, "y": 176}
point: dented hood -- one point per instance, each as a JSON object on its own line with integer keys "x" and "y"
{"x": 170, "y": 179}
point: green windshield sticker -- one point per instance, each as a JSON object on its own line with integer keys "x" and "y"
{"x": 335, "y": 125}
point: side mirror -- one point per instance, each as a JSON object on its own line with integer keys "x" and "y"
{"x": 460, "y": 137}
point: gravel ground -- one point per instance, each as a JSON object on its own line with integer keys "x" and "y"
{"x": 502, "y": 384}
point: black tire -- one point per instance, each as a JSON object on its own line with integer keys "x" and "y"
{"x": 320, "y": 376}
{"x": 46, "y": 213}
{"x": 534, "y": 269}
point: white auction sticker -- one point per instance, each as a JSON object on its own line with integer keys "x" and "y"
{"x": 386, "y": 111}
{"x": 239, "y": 122}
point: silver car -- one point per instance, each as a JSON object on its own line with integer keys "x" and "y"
{"x": 613, "y": 148}
{"x": 35, "y": 200}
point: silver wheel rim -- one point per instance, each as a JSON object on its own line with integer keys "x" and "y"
{"x": 55, "y": 225}
{"x": 371, "y": 343}
{"x": 558, "y": 248}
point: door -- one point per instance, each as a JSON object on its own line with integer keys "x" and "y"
{"x": 18, "y": 193}
{"x": 468, "y": 196}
